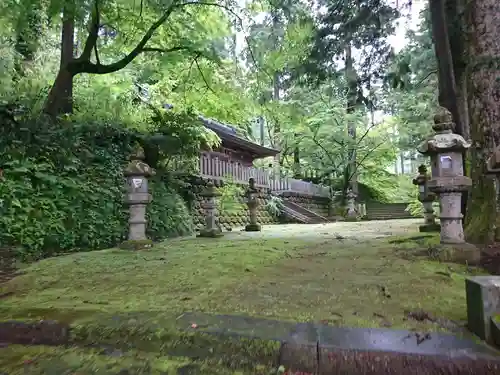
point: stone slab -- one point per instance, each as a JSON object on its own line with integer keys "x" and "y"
{"x": 339, "y": 338}
{"x": 483, "y": 302}
{"x": 399, "y": 341}
{"x": 245, "y": 326}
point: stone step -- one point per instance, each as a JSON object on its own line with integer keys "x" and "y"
{"x": 312, "y": 217}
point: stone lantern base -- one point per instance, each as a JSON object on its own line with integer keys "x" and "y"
{"x": 462, "y": 253}
{"x": 253, "y": 228}
{"x": 136, "y": 244}
{"x": 210, "y": 233}
{"x": 352, "y": 218}
{"x": 431, "y": 227}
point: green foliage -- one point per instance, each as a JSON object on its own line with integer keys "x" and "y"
{"x": 63, "y": 185}
{"x": 274, "y": 205}
{"x": 230, "y": 201}
{"x": 168, "y": 214}
{"x": 416, "y": 208}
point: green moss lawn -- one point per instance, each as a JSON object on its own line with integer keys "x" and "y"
{"x": 19, "y": 360}
{"x": 353, "y": 274}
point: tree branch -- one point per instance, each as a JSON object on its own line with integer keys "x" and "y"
{"x": 426, "y": 76}
{"x": 84, "y": 65}
{"x": 366, "y": 133}
{"x": 357, "y": 164}
{"x": 203, "y": 76}
{"x": 91, "y": 42}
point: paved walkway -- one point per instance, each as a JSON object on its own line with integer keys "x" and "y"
{"x": 354, "y": 230}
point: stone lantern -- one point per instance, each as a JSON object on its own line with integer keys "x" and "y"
{"x": 352, "y": 214}
{"x": 427, "y": 198}
{"x": 137, "y": 198}
{"x": 209, "y": 205}
{"x": 252, "y": 203}
{"x": 445, "y": 149}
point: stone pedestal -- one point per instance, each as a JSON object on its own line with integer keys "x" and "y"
{"x": 427, "y": 199}
{"x": 448, "y": 181}
{"x": 352, "y": 213}
{"x": 252, "y": 204}
{"x": 430, "y": 224}
{"x": 138, "y": 197}
{"x": 211, "y": 229}
{"x": 483, "y": 304}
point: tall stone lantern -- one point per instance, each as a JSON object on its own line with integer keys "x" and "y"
{"x": 252, "y": 204}
{"x": 427, "y": 199}
{"x": 137, "y": 198}
{"x": 209, "y": 204}
{"x": 445, "y": 149}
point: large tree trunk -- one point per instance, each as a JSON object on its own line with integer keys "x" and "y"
{"x": 483, "y": 19}
{"x": 448, "y": 40}
{"x": 456, "y": 26}
{"x": 60, "y": 98}
{"x": 352, "y": 97}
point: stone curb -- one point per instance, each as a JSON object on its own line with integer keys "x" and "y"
{"x": 295, "y": 356}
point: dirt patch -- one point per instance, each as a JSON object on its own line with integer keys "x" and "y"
{"x": 41, "y": 333}
{"x": 490, "y": 259}
{"x": 7, "y": 265}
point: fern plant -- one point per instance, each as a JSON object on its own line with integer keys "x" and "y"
{"x": 275, "y": 205}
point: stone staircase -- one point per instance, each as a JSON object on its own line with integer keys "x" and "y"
{"x": 387, "y": 211}
{"x": 301, "y": 214}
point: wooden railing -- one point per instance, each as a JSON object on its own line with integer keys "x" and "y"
{"x": 218, "y": 169}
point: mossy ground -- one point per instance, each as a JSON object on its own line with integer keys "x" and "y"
{"x": 350, "y": 274}
{"x": 19, "y": 360}
{"x": 342, "y": 280}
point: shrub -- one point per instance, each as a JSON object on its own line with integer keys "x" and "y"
{"x": 63, "y": 187}
{"x": 168, "y": 214}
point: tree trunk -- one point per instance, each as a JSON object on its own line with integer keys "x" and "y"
{"x": 352, "y": 87}
{"x": 447, "y": 85}
{"x": 455, "y": 22}
{"x": 402, "y": 162}
{"x": 60, "y": 98}
{"x": 483, "y": 20}
{"x": 276, "y": 90}
{"x": 448, "y": 40}
{"x": 296, "y": 163}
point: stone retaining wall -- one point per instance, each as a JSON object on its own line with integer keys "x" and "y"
{"x": 234, "y": 219}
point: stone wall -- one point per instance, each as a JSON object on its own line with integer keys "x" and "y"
{"x": 239, "y": 218}
{"x": 318, "y": 205}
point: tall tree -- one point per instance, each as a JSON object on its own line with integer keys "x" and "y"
{"x": 346, "y": 28}
{"x": 104, "y": 27}
{"x": 483, "y": 29}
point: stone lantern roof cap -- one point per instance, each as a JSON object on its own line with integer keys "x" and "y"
{"x": 210, "y": 191}
{"x": 444, "y": 140}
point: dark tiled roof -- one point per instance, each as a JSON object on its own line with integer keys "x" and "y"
{"x": 229, "y": 135}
